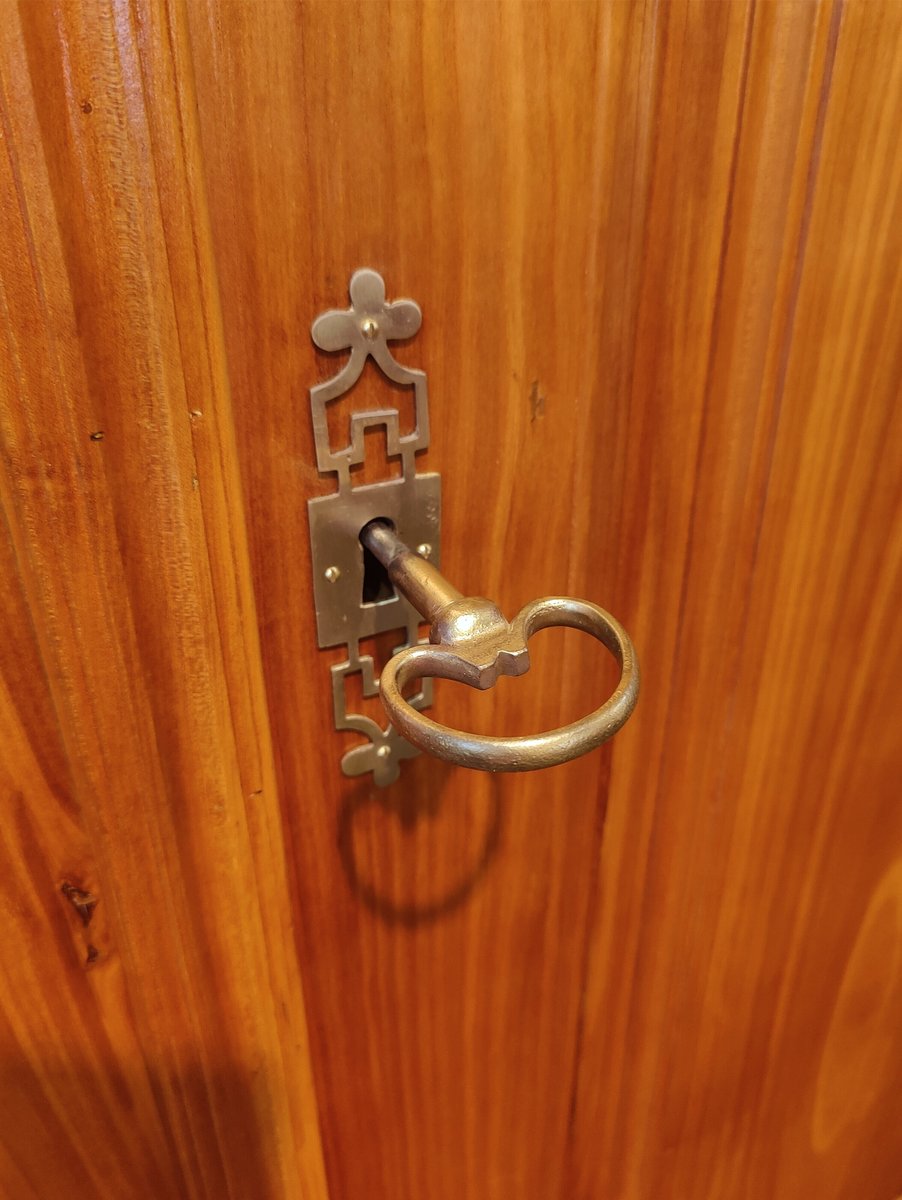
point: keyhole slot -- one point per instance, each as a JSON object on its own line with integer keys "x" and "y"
{"x": 377, "y": 587}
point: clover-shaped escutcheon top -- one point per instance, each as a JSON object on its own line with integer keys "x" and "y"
{"x": 369, "y": 321}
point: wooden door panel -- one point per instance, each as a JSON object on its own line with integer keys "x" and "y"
{"x": 656, "y": 247}
{"x": 182, "y": 1039}
{"x": 766, "y": 826}
{"x": 437, "y": 1072}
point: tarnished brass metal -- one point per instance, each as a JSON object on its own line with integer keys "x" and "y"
{"x": 471, "y": 641}
{"x": 412, "y": 502}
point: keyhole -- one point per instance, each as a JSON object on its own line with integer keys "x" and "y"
{"x": 377, "y": 587}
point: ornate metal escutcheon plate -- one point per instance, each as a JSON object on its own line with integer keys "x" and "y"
{"x": 412, "y": 502}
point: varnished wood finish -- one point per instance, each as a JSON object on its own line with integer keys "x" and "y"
{"x": 159, "y": 1049}
{"x": 657, "y": 247}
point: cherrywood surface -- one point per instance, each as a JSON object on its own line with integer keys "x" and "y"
{"x": 153, "y": 1043}
{"x": 658, "y": 251}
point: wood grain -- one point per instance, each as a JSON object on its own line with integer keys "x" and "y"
{"x": 763, "y": 818}
{"x": 171, "y": 1060}
{"x": 657, "y": 247}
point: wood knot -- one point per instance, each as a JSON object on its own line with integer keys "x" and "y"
{"x": 83, "y": 902}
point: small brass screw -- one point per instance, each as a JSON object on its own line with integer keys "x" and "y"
{"x": 424, "y": 549}
{"x": 332, "y": 574}
{"x": 370, "y": 329}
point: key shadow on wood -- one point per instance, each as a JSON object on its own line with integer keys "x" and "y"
{"x": 411, "y": 852}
